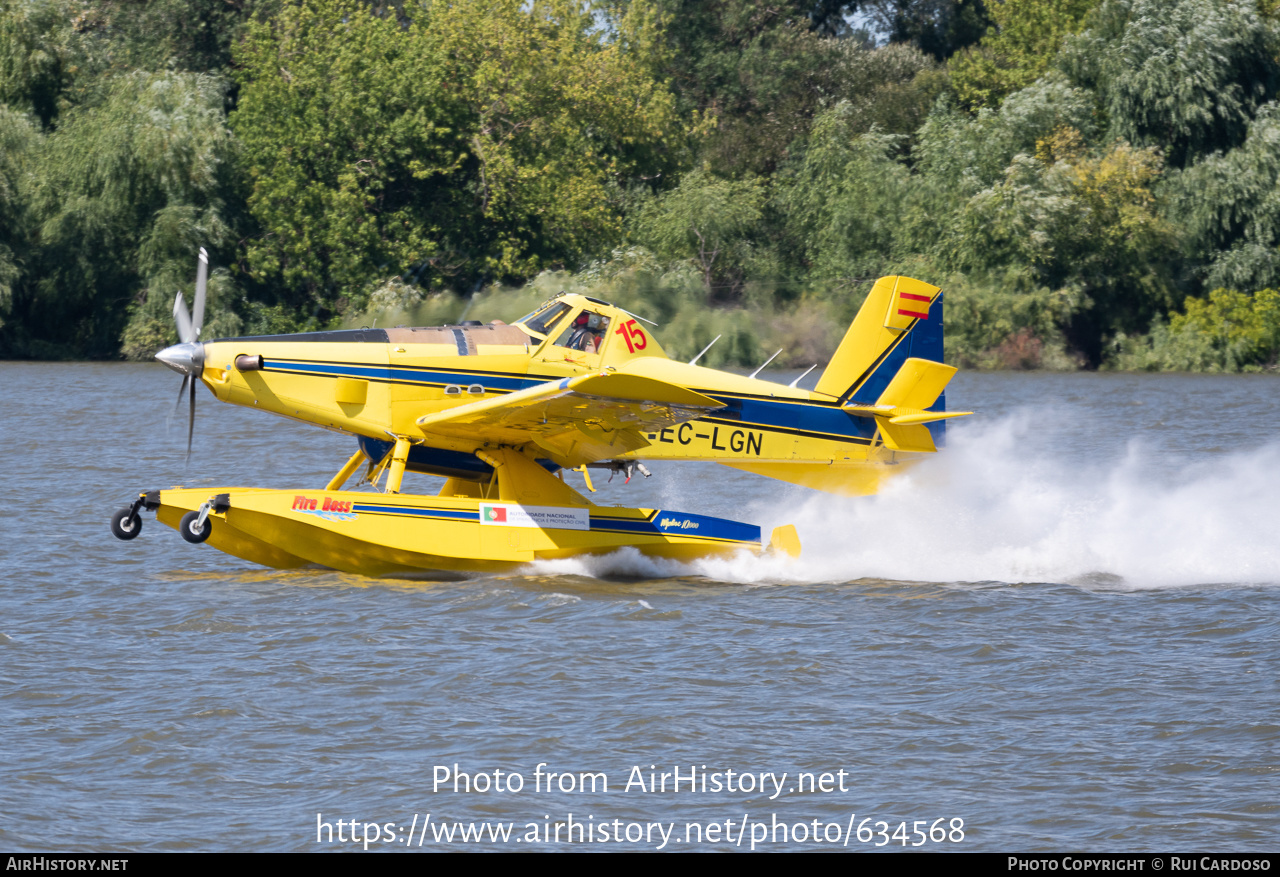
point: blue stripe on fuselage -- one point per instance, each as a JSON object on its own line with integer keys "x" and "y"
{"x": 793, "y": 415}
{"x": 403, "y": 374}
{"x": 747, "y": 413}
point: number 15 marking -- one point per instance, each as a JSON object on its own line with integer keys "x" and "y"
{"x": 633, "y": 335}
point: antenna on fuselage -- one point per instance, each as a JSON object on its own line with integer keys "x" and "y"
{"x": 792, "y": 385}
{"x": 637, "y": 316}
{"x": 766, "y": 362}
{"x": 705, "y": 349}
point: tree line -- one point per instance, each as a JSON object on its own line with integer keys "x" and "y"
{"x": 1093, "y": 182}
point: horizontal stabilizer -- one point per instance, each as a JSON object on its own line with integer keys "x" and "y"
{"x": 923, "y": 416}
{"x": 899, "y": 415}
{"x": 900, "y": 411}
{"x": 918, "y": 384}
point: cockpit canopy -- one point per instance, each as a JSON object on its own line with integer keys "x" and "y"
{"x": 574, "y": 322}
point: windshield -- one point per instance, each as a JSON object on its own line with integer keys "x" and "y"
{"x": 544, "y": 319}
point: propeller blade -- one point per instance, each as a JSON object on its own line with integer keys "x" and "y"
{"x": 186, "y": 332}
{"x": 202, "y": 282}
{"x": 182, "y": 390}
{"x": 191, "y": 417}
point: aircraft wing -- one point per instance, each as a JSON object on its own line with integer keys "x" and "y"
{"x": 578, "y": 419}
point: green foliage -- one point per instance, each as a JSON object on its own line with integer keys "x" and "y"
{"x": 1017, "y": 50}
{"x": 1185, "y": 76}
{"x": 1078, "y": 223}
{"x": 190, "y": 35}
{"x": 938, "y": 27}
{"x": 38, "y": 54}
{"x": 452, "y": 146}
{"x": 755, "y": 72}
{"x": 420, "y": 160}
{"x": 1004, "y": 321}
{"x": 890, "y": 89}
{"x": 962, "y": 153}
{"x": 127, "y": 190}
{"x": 341, "y": 137}
{"x": 708, "y": 222}
{"x": 1227, "y": 332}
{"x": 18, "y": 140}
{"x": 264, "y": 319}
{"x": 958, "y": 155}
{"x": 842, "y": 198}
{"x": 1230, "y": 206}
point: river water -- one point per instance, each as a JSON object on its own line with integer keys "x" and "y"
{"x": 1059, "y": 634}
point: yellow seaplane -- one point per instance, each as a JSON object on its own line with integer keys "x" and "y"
{"x": 503, "y": 411}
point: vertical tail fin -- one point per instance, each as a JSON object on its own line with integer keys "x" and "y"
{"x": 901, "y": 318}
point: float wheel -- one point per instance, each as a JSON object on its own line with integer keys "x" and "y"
{"x": 193, "y": 534}
{"x": 126, "y": 524}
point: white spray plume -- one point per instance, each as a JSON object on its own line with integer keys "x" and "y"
{"x": 996, "y": 506}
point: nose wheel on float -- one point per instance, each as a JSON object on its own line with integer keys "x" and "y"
{"x": 126, "y": 523}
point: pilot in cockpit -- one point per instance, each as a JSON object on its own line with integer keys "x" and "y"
{"x": 587, "y": 332}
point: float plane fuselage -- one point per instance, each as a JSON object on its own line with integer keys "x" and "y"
{"x": 580, "y": 381}
{"x": 500, "y": 410}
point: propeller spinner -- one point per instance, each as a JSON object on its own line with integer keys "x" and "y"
{"x": 187, "y": 357}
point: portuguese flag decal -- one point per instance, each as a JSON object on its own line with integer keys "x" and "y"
{"x": 496, "y": 515}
